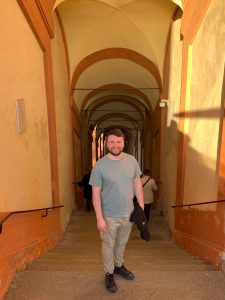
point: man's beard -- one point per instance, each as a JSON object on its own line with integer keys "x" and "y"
{"x": 117, "y": 153}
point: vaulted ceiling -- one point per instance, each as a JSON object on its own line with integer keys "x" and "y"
{"x": 116, "y": 51}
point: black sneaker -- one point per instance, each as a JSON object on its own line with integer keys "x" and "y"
{"x": 110, "y": 283}
{"x": 124, "y": 272}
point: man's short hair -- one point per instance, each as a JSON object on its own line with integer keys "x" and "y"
{"x": 115, "y": 131}
{"x": 147, "y": 172}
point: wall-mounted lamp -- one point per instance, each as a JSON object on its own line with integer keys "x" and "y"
{"x": 163, "y": 103}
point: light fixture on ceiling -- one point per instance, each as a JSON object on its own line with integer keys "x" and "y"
{"x": 163, "y": 103}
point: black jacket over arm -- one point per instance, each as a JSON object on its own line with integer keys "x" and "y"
{"x": 138, "y": 217}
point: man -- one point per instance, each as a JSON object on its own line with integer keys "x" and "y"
{"x": 87, "y": 190}
{"x": 114, "y": 179}
{"x": 148, "y": 189}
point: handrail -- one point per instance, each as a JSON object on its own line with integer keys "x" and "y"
{"x": 199, "y": 203}
{"x": 27, "y": 211}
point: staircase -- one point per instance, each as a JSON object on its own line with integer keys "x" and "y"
{"x": 73, "y": 270}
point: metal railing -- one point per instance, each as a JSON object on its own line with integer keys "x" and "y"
{"x": 199, "y": 203}
{"x": 27, "y": 211}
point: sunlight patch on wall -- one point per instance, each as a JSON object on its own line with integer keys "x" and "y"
{"x": 188, "y": 88}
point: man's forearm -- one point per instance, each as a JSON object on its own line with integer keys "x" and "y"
{"x": 101, "y": 223}
{"x": 97, "y": 207}
{"x": 140, "y": 198}
{"x": 139, "y": 192}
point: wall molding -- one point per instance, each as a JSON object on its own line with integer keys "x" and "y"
{"x": 44, "y": 11}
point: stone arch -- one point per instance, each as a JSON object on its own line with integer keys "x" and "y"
{"x": 127, "y": 100}
{"x": 107, "y": 116}
{"x": 118, "y": 86}
{"x": 116, "y": 53}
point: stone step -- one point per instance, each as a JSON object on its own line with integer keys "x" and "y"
{"x": 138, "y": 259}
{"x": 97, "y": 265}
{"x": 130, "y": 246}
{"x": 73, "y": 239}
{"x": 150, "y": 254}
{"x": 141, "y": 255}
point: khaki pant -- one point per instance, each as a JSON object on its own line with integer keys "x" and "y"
{"x": 114, "y": 241}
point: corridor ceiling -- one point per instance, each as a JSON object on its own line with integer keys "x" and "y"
{"x": 116, "y": 51}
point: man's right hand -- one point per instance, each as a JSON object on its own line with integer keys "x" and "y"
{"x": 102, "y": 225}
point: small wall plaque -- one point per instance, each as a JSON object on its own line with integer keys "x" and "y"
{"x": 20, "y": 115}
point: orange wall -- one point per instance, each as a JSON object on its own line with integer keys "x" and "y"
{"x": 26, "y": 236}
{"x": 199, "y": 230}
{"x": 28, "y": 151}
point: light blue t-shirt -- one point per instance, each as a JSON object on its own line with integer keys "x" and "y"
{"x": 115, "y": 177}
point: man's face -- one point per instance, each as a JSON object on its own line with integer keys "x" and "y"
{"x": 115, "y": 144}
